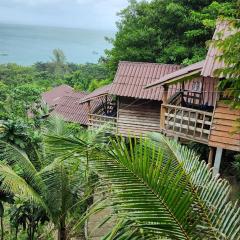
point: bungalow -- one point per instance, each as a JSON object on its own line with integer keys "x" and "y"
{"x": 131, "y": 109}
{"x": 63, "y": 101}
{"x": 205, "y": 119}
{"x": 53, "y": 96}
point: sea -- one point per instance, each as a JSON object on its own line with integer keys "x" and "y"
{"x": 25, "y": 45}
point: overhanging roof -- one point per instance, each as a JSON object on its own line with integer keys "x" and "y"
{"x": 223, "y": 30}
{"x": 190, "y": 71}
{"x": 132, "y": 77}
{"x": 100, "y": 92}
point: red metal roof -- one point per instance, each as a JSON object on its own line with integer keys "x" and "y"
{"x": 52, "y": 97}
{"x": 97, "y": 93}
{"x": 223, "y": 30}
{"x": 132, "y": 77}
{"x": 177, "y": 75}
{"x": 71, "y": 110}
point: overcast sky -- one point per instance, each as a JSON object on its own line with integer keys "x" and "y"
{"x": 96, "y": 14}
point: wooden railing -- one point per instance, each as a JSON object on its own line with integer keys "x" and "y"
{"x": 109, "y": 123}
{"x": 176, "y": 99}
{"x": 186, "y": 123}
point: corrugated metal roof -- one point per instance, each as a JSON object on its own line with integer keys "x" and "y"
{"x": 177, "y": 75}
{"x": 223, "y": 30}
{"x": 71, "y": 110}
{"x": 132, "y": 77}
{"x": 97, "y": 93}
{"x": 52, "y": 97}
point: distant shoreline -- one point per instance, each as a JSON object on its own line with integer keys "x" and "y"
{"x": 28, "y": 44}
{"x": 113, "y": 31}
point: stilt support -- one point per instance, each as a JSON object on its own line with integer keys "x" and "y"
{"x": 176, "y": 138}
{"x": 217, "y": 161}
{"x": 210, "y": 157}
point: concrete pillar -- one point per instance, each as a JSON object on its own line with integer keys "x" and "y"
{"x": 217, "y": 162}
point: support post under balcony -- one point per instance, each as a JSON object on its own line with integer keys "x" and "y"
{"x": 217, "y": 161}
{"x": 163, "y": 109}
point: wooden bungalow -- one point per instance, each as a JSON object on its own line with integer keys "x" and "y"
{"x": 53, "y": 96}
{"x": 199, "y": 114}
{"x": 63, "y": 101}
{"x": 130, "y": 109}
{"x": 179, "y": 102}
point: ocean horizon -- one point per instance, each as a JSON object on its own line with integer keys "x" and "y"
{"x": 27, "y": 44}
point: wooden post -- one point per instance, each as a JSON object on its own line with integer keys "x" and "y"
{"x": 118, "y": 109}
{"x": 217, "y": 161}
{"x": 163, "y": 109}
{"x": 106, "y": 104}
{"x": 89, "y": 112}
{"x": 182, "y": 93}
{"x": 176, "y": 138}
{"x": 210, "y": 157}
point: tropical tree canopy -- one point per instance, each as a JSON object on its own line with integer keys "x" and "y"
{"x": 169, "y": 31}
{"x": 57, "y": 186}
{"x": 230, "y": 49}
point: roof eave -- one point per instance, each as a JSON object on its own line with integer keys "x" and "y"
{"x": 182, "y": 78}
{"x": 185, "y": 77}
{"x": 95, "y": 97}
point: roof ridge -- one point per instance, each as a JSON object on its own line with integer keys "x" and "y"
{"x": 151, "y": 63}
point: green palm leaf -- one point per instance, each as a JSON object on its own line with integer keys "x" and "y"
{"x": 219, "y": 217}
{"x": 163, "y": 187}
{"x": 13, "y": 183}
{"x": 19, "y": 161}
{"x": 146, "y": 189}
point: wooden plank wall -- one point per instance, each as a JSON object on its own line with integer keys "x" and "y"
{"x": 223, "y": 127}
{"x": 138, "y": 117}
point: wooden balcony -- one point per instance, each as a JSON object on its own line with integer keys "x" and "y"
{"x": 186, "y": 123}
{"x": 109, "y": 123}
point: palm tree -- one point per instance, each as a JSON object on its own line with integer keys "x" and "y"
{"x": 160, "y": 189}
{"x": 56, "y": 184}
{"x": 52, "y": 187}
{"x": 59, "y": 64}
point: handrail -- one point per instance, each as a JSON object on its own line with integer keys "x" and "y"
{"x": 188, "y": 109}
{"x": 102, "y": 116}
{"x": 175, "y": 97}
{"x": 97, "y": 121}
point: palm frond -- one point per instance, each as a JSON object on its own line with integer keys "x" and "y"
{"x": 11, "y": 182}
{"x": 156, "y": 200}
{"x": 18, "y": 159}
{"x": 58, "y": 195}
{"x": 220, "y": 218}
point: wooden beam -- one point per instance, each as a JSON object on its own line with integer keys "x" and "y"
{"x": 89, "y": 111}
{"x": 210, "y": 157}
{"x": 163, "y": 109}
{"x": 217, "y": 161}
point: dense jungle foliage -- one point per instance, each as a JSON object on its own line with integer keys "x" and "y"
{"x": 167, "y": 31}
{"x": 20, "y": 86}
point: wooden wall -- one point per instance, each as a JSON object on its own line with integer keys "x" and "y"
{"x": 138, "y": 117}
{"x": 223, "y": 127}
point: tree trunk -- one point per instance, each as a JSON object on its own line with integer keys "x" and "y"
{"x": 62, "y": 232}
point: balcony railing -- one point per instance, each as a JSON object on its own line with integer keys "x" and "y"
{"x": 186, "y": 123}
{"x": 98, "y": 121}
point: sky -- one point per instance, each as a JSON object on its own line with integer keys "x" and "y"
{"x": 93, "y": 14}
